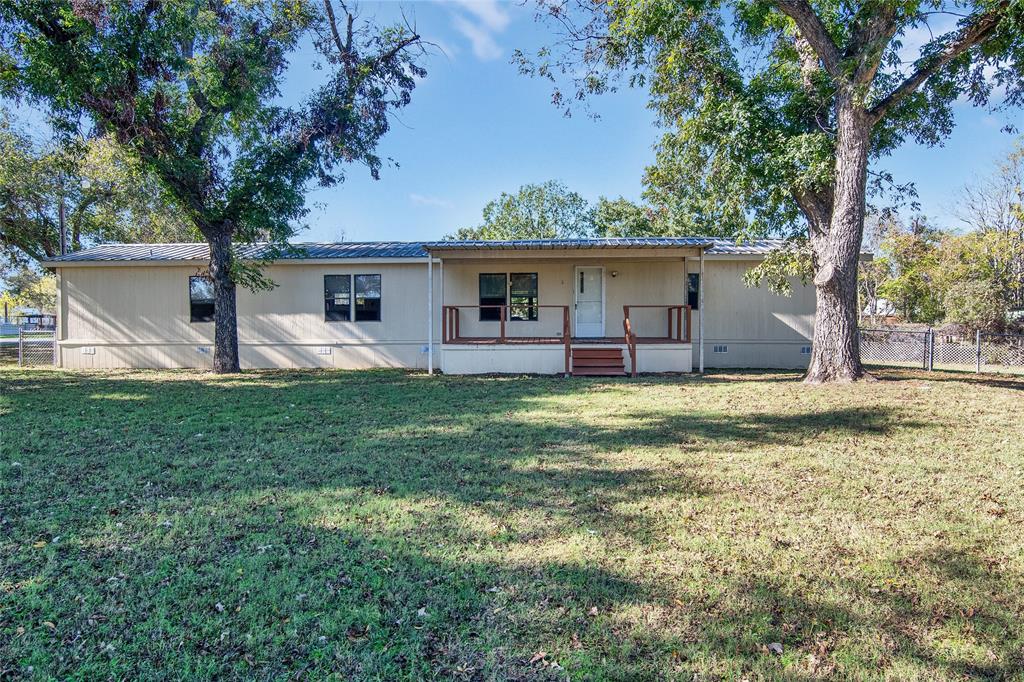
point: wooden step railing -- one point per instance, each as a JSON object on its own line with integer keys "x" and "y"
{"x": 675, "y": 331}
{"x": 451, "y": 328}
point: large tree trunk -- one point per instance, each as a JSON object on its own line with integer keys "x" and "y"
{"x": 835, "y": 354}
{"x": 225, "y": 332}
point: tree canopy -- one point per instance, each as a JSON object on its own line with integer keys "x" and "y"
{"x": 548, "y": 210}
{"x": 775, "y": 110}
{"x": 106, "y": 193}
{"x": 191, "y": 88}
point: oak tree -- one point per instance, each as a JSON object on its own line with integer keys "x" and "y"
{"x": 192, "y": 88}
{"x": 776, "y": 110}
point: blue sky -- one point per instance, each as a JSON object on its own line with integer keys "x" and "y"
{"x": 476, "y": 128}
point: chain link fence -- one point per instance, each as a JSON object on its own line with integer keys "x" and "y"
{"x": 929, "y": 350}
{"x": 37, "y": 347}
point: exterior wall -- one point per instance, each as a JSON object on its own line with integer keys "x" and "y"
{"x": 637, "y": 282}
{"x": 760, "y": 328}
{"x": 124, "y": 316}
{"x": 138, "y": 316}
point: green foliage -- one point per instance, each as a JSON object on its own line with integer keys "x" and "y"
{"x": 26, "y": 287}
{"x": 912, "y": 255}
{"x": 107, "y": 196}
{"x": 779, "y": 268}
{"x": 975, "y": 305}
{"x": 623, "y": 218}
{"x": 750, "y": 106}
{"x": 546, "y": 211}
{"x": 191, "y": 87}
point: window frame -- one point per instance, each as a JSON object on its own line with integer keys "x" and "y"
{"x": 352, "y": 310}
{"x": 693, "y": 295}
{"x": 379, "y": 298}
{"x": 534, "y": 308}
{"x": 491, "y": 314}
{"x": 348, "y": 307}
{"x": 192, "y": 318}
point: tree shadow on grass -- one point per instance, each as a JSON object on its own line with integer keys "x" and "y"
{"x": 339, "y": 505}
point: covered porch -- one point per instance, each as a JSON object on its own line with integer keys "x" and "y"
{"x": 566, "y": 311}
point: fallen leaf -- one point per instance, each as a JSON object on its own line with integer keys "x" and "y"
{"x": 539, "y": 656}
{"x": 775, "y": 648}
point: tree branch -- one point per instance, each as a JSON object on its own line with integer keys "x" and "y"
{"x": 814, "y": 32}
{"x": 977, "y": 32}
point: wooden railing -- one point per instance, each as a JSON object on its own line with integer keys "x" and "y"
{"x": 451, "y": 328}
{"x": 630, "y": 340}
{"x": 676, "y": 331}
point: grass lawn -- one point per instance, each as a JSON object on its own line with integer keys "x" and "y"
{"x": 385, "y": 525}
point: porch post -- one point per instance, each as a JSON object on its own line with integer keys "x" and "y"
{"x": 430, "y": 313}
{"x": 700, "y": 309}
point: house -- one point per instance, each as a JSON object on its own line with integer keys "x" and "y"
{"x": 585, "y": 306}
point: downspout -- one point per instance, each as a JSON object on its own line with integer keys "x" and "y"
{"x": 700, "y": 309}
{"x": 430, "y": 313}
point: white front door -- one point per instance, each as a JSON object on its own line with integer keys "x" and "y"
{"x": 589, "y": 287}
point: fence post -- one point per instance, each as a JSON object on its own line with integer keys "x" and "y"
{"x": 54, "y": 347}
{"x": 21, "y": 344}
{"x": 977, "y": 356}
{"x": 931, "y": 349}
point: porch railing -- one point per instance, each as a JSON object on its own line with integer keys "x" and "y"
{"x": 451, "y": 327}
{"x": 676, "y": 331}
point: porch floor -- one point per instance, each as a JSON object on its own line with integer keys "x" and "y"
{"x": 529, "y": 340}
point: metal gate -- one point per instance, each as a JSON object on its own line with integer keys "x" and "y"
{"x": 37, "y": 347}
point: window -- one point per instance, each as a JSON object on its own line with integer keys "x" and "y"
{"x": 492, "y": 292}
{"x": 805, "y": 350}
{"x": 720, "y": 349}
{"x": 200, "y": 299}
{"x": 367, "y": 298}
{"x": 523, "y": 296}
{"x": 352, "y": 297}
{"x": 337, "y": 298}
{"x": 693, "y": 290}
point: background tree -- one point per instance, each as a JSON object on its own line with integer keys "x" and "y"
{"x": 777, "y": 108}
{"x": 994, "y": 209}
{"x": 26, "y": 287}
{"x": 546, "y": 211}
{"x": 106, "y": 193}
{"x": 911, "y": 254}
{"x": 624, "y": 218}
{"x": 191, "y": 87}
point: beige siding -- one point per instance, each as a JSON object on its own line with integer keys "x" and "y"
{"x": 761, "y": 329}
{"x": 139, "y": 317}
{"x": 635, "y": 282}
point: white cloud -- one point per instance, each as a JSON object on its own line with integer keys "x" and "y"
{"x": 423, "y": 200}
{"x": 489, "y": 13}
{"x": 487, "y": 19}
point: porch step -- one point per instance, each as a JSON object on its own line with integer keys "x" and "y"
{"x": 597, "y": 362}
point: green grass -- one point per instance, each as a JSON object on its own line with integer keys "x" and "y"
{"x": 384, "y": 525}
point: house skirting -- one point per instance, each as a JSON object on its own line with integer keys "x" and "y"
{"x": 549, "y": 358}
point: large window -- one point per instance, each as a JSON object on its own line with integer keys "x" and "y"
{"x": 338, "y": 298}
{"x": 693, "y": 290}
{"x": 493, "y": 289}
{"x": 367, "y": 298}
{"x": 523, "y": 296}
{"x": 200, "y": 299}
{"x": 352, "y": 297}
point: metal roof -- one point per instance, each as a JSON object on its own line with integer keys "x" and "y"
{"x": 339, "y": 250}
{"x": 201, "y": 251}
{"x": 601, "y": 243}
